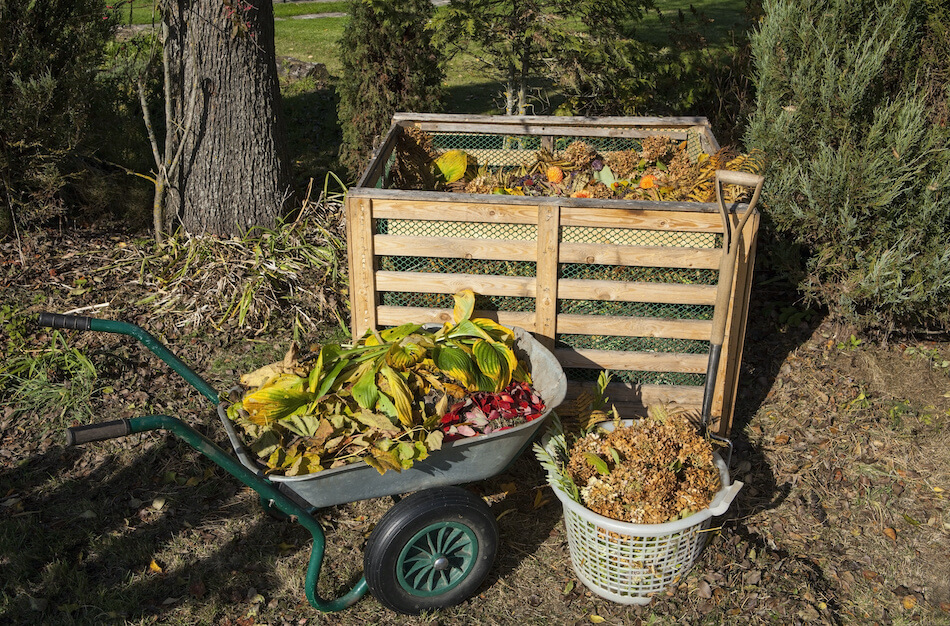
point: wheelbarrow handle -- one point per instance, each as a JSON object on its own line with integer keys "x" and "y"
{"x": 77, "y": 435}
{"x": 72, "y": 322}
{"x": 75, "y": 322}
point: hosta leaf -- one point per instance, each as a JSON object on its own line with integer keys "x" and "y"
{"x": 464, "y": 305}
{"x": 466, "y": 328}
{"x": 387, "y": 407}
{"x": 397, "y": 333}
{"x": 316, "y": 373}
{"x": 495, "y": 361}
{"x": 494, "y": 329}
{"x": 400, "y": 393}
{"x": 277, "y": 399}
{"x": 451, "y": 165}
{"x": 365, "y": 391}
{"x": 404, "y": 355}
{"x": 456, "y": 363}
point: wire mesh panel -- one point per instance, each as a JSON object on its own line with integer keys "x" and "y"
{"x": 622, "y": 286}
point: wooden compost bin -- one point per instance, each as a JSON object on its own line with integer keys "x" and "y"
{"x": 619, "y": 285}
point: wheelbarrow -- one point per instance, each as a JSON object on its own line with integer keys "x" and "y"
{"x": 432, "y": 549}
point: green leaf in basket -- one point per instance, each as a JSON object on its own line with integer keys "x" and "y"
{"x": 495, "y": 360}
{"x": 597, "y": 463}
{"x": 614, "y": 455}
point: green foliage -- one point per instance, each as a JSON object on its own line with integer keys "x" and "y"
{"x": 52, "y": 386}
{"x": 49, "y": 52}
{"x": 858, "y": 172}
{"x": 517, "y": 42}
{"x": 389, "y": 65}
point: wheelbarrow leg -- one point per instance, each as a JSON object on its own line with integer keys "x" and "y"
{"x": 267, "y": 490}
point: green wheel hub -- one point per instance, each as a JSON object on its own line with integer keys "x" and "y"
{"x": 436, "y": 559}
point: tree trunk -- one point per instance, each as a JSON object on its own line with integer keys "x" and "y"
{"x": 233, "y": 171}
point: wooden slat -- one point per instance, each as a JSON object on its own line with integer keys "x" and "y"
{"x": 361, "y": 261}
{"x": 638, "y": 397}
{"x": 396, "y": 315}
{"x": 623, "y": 291}
{"x": 542, "y": 125}
{"x": 378, "y": 163}
{"x": 454, "y": 248}
{"x": 635, "y": 361}
{"x": 641, "y": 219}
{"x": 423, "y": 282}
{"x": 547, "y": 270}
{"x": 616, "y": 326}
{"x": 727, "y": 383}
{"x": 456, "y": 211}
{"x": 643, "y": 256}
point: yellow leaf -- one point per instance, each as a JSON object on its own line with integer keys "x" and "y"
{"x": 277, "y": 399}
{"x": 464, "y": 305}
{"x": 401, "y": 394}
{"x": 597, "y": 619}
{"x": 155, "y": 567}
{"x": 453, "y": 164}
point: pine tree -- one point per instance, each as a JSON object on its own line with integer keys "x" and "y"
{"x": 389, "y": 65}
{"x": 859, "y": 172}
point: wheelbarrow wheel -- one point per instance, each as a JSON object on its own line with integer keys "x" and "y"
{"x": 431, "y": 550}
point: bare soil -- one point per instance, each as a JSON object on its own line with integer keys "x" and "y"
{"x": 842, "y": 446}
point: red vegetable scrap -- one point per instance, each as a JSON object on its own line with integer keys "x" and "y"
{"x": 485, "y": 412}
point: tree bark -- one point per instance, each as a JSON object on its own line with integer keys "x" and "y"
{"x": 233, "y": 170}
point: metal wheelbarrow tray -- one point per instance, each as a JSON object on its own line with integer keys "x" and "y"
{"x": 460, "y": 461}
{"x": 432, "y": 549}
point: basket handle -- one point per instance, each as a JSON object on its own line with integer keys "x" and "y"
{"x": 724, "y": 498}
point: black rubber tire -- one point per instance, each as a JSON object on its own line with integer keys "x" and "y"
{"x": 471, "y": 536}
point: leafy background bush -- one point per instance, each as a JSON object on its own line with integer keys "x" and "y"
{"x": 858, "y": 169}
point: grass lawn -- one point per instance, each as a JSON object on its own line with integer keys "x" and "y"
{"x": 311, "y": 40}
{"x": 141, "y": 11}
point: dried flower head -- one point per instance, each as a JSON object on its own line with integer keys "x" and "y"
{"x": 580, "y": 154}
{"x": 656, "y": 147}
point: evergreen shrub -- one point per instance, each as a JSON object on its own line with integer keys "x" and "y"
{"x": 49, "y": 53}
{"x": 858, "y": 168}
{"x": 389, "y": 65}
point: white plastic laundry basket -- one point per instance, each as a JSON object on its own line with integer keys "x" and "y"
{"x": 628, "y": 563}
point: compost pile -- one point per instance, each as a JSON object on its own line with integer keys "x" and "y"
{"x": 656, "y": 470}
{"x": 661, "y": 170}
{"x": 390, "y": 399}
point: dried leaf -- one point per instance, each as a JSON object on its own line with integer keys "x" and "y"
{"x": 434, "y": 440}
{"x": 890, "y": 533}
